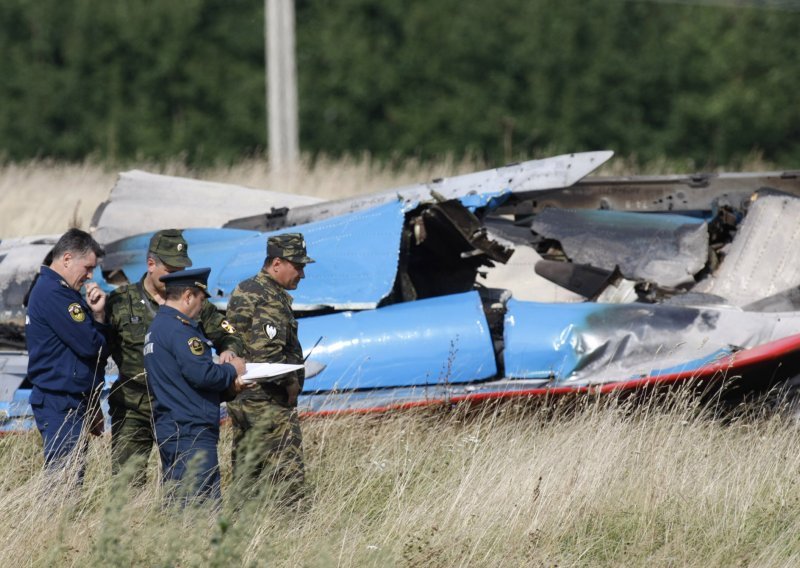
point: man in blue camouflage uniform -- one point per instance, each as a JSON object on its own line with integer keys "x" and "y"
{"x": 66, "y": 347}
{"x": 130, "y": 311}
{"x": 187, "y": 386}
{"x": 267, "y": 436}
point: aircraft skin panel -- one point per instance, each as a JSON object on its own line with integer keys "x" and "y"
{"x": 695, "y": 192}
{"x": 757, "y": 368}
{"x": 16, "y": 414}
{"x": 522, "y": 179}
{"x": 666, "y": 249}
{"x": 428, "y": 342}
{"x": 129, "y": 209}
{"x": 764, "y": 257}
{"x": 356, "y": 258}
{"x": 540, "y": 339}
{"x": 591, "y": 343}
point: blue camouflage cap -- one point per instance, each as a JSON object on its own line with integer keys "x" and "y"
{"x": 290, "y": 246}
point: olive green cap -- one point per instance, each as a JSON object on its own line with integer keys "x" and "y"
{"x": 171, "y": 248}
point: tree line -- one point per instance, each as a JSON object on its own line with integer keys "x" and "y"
{"x": 503, "y": 80}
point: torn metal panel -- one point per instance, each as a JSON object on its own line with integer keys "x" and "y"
{"x": 430, "y": 342}
{"x": 391, "y": 254}
{"x": 12, "y": 335}
{"x": 698, "y": 192}
{"x": 764, "y": 257}
{"x": 665, "y": 249}
{"x": 356, "y": 254}
{"x": 787, "y": 301}
{"x": 20, "y": 260}
{"x": 591, "y": 343}
{"x": 15, "y": 411}
{"x": 518, "y": 276}
{"x": 522, "y": 179}
{"x": 587, "y": 281}
{"x": 132, "y": 207}
{"x": 444, "y": 245}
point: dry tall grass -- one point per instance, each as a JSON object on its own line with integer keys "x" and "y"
{"x": 46, "y": 197}
{"x": 600, "y": 485}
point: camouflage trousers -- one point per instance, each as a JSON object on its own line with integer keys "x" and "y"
{"x": 132, "y": 433}
{"x": 267, "y": 445}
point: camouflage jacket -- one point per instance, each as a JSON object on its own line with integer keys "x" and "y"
{"x": 129, "y": 312}
{"x": 261, "y": 311}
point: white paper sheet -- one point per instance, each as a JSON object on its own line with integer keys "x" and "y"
{"x": 257, "y": 371}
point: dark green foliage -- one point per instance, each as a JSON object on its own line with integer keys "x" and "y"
{"x": 131, "y": 78}
{"x": 502, "y": 79}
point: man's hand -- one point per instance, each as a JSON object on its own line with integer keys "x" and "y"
{"x": 97, "y": 423}
{"x": 227, "y": 356}
{"x": 96, "y": 299}
{"x": 293, "y": 391}
{"x": 238, "y": 363}
{"x": 237, "y": 386}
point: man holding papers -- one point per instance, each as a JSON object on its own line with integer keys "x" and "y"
{"x": 267, "y": 438}
{"x": 188, "y": 386}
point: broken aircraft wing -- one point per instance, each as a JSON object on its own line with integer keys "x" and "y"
{"x": 696, "y": 192}
{"x": 132, "y": 207}
{"x": 520, "y": 179}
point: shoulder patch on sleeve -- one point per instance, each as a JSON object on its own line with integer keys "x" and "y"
{"x": 196, "y": 346}
{"x": 76, "y": 312}
{"x": 270, "y": 330}
{"x": 226, "y": 325}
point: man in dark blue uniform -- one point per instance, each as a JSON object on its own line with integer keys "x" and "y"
{"x": 187, "y": 385}
{"x": 66, "y": 347}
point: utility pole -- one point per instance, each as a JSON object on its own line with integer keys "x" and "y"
{"x": 284, "y": 147}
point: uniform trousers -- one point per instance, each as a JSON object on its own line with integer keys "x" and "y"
{"x": 191, "y": 461}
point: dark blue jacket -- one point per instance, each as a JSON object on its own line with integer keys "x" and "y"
{"x": 67, "y": 351}
{"x": 185, "y": 381}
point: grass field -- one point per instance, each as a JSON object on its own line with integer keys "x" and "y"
{"x": 599, "y": 483}
{"x": 602, "y": 484}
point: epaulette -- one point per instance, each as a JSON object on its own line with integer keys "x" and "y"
{"x": 184, "y": 321}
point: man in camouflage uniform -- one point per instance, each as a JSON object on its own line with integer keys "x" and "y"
{"x": 267, "y": 437}
{"x": 130, "y": 311}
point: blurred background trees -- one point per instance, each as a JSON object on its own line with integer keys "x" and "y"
{"x": 501, "y": 80}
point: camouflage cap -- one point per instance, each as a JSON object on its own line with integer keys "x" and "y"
{"x": 171, "y": 248}
{"x": 290, "y": 246}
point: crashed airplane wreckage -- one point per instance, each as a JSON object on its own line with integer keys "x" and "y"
{"x": 520, "y": 281}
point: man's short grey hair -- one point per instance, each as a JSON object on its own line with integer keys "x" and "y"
{"x": 77, "y": 242}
